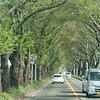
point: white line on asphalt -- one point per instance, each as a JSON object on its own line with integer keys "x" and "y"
{"x": 39, "y": 90}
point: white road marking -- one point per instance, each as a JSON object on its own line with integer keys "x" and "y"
{"x": 39, "y": 90}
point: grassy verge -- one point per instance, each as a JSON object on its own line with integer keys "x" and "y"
{"x": 77, "y": 77}
{"x": 14, "y": 94}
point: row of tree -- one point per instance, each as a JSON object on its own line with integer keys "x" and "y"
{"x": 28, "y": 28}
{"x": 86, "y": 48}
{"x": 58, "y": 33}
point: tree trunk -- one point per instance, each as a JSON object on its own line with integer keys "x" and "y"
{"x": 38, "y": 73}
{"x": 27, "y": 71}
{"x": 0, "y": 82}
{"x": 5, "y": 76}
{"x": 20, "y": 72}
{"x": 16, "y": 71}
{"x": 43, "y": 72}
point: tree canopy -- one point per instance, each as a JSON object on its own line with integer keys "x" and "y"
{"x": 62, "y": 33}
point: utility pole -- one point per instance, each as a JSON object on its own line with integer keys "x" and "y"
{"x": 98, "y": 49}
{"x": 87, "y": 63}
{"x": 35, "y": 63}
{"x": 99, "y": 54}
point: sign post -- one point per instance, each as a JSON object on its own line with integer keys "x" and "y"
{"x": 35, "y": 63}
{"x": 33, "y": 58}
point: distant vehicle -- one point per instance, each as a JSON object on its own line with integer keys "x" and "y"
{"x": 57, "y": 78}
{"x": 92, "y": 82}
{"x": 68, "y": 74}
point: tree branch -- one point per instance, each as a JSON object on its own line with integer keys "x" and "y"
{"x": 95, "y": 23}
{"x": 13, "y": 8}
{"x": 38, "y": 11}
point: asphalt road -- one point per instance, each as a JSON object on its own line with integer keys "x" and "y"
{"x": 70, "y": 90}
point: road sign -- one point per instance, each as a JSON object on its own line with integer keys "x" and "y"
{"x": 34, "y": 61}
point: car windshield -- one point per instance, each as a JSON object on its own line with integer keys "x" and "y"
{"x": 95, "y": 76}
{"x": 68, "y": 73}
{"x": 57, "y": 76}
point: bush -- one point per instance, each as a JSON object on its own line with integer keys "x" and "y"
{"x": 5, "y": 96}
{"x": 77, "y": 77}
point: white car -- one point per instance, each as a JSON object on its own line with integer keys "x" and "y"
{"x": 68, "y": 74}
{"x": 92, "y": 82}
{"x": 58, "y": 78}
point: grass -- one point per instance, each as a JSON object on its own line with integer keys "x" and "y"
{"x": 15, "y": 94}
{"x": 77, "y": 77}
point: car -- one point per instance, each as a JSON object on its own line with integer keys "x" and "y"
{"x": 91, "y": 83}
{"x": 68, "y": 74}
{"x": 57, "y": 78}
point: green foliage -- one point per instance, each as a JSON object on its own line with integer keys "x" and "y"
{"x": 44, "y": 60}
{"x": 5, "y": 96}
{"x": 8, "y": 41}
{"x": 26, "y": 42}
{"x": 49, "y": 33}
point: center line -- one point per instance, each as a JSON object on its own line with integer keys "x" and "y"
{"x": 73, "y": 90}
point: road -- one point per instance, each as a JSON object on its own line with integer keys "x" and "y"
{"x": 70, "y": 90}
